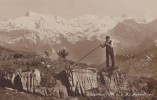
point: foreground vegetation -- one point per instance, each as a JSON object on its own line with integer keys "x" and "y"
{"x": 11, "y": 60}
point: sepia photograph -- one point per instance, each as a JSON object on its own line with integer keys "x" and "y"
{"x": 78, "y": 50}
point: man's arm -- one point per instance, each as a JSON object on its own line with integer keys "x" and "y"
{"x": 103, "y": 45}
{"x": 111, "y": 44}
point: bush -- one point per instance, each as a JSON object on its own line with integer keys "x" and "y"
{"x": 62, "y": 54}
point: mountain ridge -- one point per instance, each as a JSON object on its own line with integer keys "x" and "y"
{"x": 50, "y": 33}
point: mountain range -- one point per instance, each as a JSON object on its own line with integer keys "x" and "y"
{"x": 40, "y": 33}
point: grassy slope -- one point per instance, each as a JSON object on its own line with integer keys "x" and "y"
{"x": 11, "y": 60}
{"x": 143, "y": 64}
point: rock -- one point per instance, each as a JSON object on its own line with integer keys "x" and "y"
{"x": 23, "y": 81}
{"x": 9, "y": 88}
{"x": 79, "y": 82}
{"x": 41, "y": 90}
{"x": 118, "y": 83}
{"x": 27, "y": 81}
{"x": 59, "y": 90}
{"x": 48, "y": 66}
{"x": 42, "y": 63}
{"x": 83, "y": 80}
{"x": 37, "y": 77}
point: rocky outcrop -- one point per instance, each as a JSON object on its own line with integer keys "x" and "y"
{"x": 79, "y": 82}
{"x": 59, "y": 90}
{"x": 41, "y": 90}
{"x": 83, "y": 80}
{"x": 89, "y": 82}
{"x": 5, "y": 79}
{"x": 29, "y": 80}
{"x": 36, "y": 77}
{"x": 118, "y": 83}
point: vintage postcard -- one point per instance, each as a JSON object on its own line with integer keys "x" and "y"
{"x": 78, "y": 50}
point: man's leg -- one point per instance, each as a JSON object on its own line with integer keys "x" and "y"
{"x": 112, "y": 59}
{"x": 107, "y": 59}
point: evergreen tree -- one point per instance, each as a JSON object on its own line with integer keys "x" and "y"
{"x": 63, "y": 54}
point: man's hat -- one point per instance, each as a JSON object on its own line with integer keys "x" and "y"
{"x": 107, "y": 37}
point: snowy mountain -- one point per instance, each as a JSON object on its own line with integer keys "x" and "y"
{"x": 72, "y": 29}
{"x": 48, "y": 33}
{"x": 53, "y": 27}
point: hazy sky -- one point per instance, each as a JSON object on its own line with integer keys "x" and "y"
{"x": 74, "y": 8}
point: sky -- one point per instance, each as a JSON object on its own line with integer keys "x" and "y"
{"x": 75, "y": 8}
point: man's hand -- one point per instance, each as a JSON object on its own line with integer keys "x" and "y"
{"x": 102, "y": 45}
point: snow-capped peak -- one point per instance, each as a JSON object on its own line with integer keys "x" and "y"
{"x": 144, "y": 19}
{"x": 72, "y": 29}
